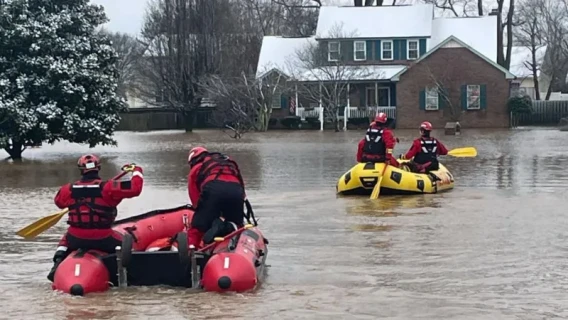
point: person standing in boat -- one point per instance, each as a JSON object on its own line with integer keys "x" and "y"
{"x": 425, "y": 151}
{"x": 378, "y": 143}
{"x": 217, "y": 192}
{"x": 92, "y": 206}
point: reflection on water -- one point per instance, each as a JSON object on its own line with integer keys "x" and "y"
{"x": 492, "y": 248}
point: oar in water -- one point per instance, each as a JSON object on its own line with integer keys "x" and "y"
{"x": 377, "y": 189}
{"x": 36, "y": 228}
{"x": 463, "y": 152}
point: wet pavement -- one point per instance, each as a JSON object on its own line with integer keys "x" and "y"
{"x": 492, "y": 248}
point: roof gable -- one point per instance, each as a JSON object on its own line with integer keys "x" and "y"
{"x": 455, "y": 40}
{"x": 479, "y": 33}
{"x": 377, "y": 22}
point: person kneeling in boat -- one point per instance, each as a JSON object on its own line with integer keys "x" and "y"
{"x": 216, "y": 191}
{"x": 425, "y": 151}
{"x": 378, "y": 143}
{"x": 92, "y": 209}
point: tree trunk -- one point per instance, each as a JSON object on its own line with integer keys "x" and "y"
{"x": 188, "y": 119}
{"x": 549, "y": 91}
{"x": 507, "y": 60}
{"x": 480, "y": 8}
{"x": 535, "y": 69}
{"x": 15, "y": 150}
{"x": 358, "y": 3}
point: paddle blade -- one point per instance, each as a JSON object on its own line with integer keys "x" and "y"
{"x": 33, "y": 230}
{"x": 463, "y": 152}
{"x": 377, "y": 189}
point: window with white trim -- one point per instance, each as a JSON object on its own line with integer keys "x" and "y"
{"x": 432, "y": 99}
{"x": 277, "y": 101}
{"x": 333, "y": 48}
{"x": 360, "y": 50}
{"x": 386, "y": 50}
{"x": 473, "y": 97}
{"x": 412, "y": 49}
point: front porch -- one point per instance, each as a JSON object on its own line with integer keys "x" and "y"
{"x": 363, "y": 101}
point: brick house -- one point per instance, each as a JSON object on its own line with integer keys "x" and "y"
{"x": 416, "y": 67}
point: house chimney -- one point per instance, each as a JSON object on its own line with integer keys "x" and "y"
{"x": 494, "y": 12}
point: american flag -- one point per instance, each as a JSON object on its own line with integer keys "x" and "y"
{"x": 292, "y": 106}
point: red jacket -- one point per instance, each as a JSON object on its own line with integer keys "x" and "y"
{"x": 417, "y": 148}
{"x": 113, "y": 192}
{"x": 194, "y": 190}
{"x": 389, "y": 140}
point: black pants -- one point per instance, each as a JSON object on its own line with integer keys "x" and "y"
{"x": 107, "y": 244}
{"x": 219, "y": 199}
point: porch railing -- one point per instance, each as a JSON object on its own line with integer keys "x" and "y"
{"x": 351, "y": 112}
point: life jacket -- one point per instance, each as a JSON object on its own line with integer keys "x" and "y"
{"x": 429, "y": 146}
{"x": 89, "y": 211}
{"x": 374, "y": 149}
{"x": 214, "y": 165}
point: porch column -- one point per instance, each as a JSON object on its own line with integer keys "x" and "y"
{"x": 297, "y": 104}
{"x": 376, "y": 98}
{"x": 320, "y": 109}
{"x": 347, "y": 113}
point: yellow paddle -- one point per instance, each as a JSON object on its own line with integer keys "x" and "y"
{"x": 463, "y": 152}
{"x": 36, "y": 228}
{"x": 377, "y": 189}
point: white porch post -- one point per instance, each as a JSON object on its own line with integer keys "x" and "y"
{"x": 297, "y": 104}
{"x": 376, "y": 98}
{"x": 320, "y": 109}
{"x": 347, "y": 113}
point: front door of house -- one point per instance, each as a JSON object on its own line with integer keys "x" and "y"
{"x": 384, "y": 96}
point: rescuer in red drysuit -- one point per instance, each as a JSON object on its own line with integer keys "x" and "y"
{"x": 92, "y": 209}
{"x": 378, "y": 143}
{"x": 425, "y": 151}
{"x": 216, "y": 190}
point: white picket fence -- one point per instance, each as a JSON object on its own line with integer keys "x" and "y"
{"x": 350, "y": 113}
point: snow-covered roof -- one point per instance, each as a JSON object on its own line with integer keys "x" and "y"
{"x": 352, "y": 73}
{"x": 376, "y": 22}
{"x": 279, "y": 53}
{"x": 521, "y": 55}
{"x": 479, "y": 33}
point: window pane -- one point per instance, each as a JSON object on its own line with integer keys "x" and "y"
{"x": 387, "y": 54}
{"x": 360, "y": 55}
{"x": 473, "y": 93}
{"x": 387, "y": 45}
{"x": 333, "y": 46}
{"x": 360, "y": 46}
{"x": 413, "y": 45}
{"x": 334, "y": 55}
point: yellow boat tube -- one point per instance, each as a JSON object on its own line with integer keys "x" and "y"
{"x": 361, "y": 180}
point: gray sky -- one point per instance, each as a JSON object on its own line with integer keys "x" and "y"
{"x": 125, "y": 15}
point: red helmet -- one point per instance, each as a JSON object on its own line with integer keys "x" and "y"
{"x": 195, "y": 152}
{"x": 88, "y": 163}
{"x": 426, "y": 126}
{"x": 381, "y": 117}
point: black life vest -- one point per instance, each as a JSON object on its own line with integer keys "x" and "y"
{"x": 374, "y": 149}
{"x": 214, "y": 165}
{"x": 427, "y": 152}
{"x": 89, "y": 203}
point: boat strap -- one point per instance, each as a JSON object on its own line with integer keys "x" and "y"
{"x": 250, "y": 214}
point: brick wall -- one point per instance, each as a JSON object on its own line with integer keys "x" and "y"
{"x": 458, "y": 66}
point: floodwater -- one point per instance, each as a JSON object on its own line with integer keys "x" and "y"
{"x": 493, "y": 248}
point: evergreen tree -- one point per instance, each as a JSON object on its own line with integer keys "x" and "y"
{"x": 58, "y": 76}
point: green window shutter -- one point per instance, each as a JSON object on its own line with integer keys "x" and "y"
{"x": 402, "y": 54}
{"x": 463, "y": 96}
{"x": 369, "y": 45}
{"x": 422, "y": 100}
{"x": 441, "y": 99}
{"x": 283, "y": 101}
{"x": 396, "y": 49}
{"x": 378, "y": 50}
{"x": 422, "y": 46}
{"x": 483, "y": 97}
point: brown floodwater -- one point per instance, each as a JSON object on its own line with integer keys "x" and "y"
{"x": 492, "y": 248}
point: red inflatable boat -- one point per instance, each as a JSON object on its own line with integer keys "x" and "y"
{"x": 155, "y": 252}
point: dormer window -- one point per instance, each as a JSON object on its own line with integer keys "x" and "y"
{"x": 333, "y": 48}
{"x": 412, "y": 46}
{"x": 386, "y": 50}
{"x": 359, "y": 50}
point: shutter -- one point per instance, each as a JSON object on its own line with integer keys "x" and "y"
{"x": 463, "y": 96}
{"x": 422, "y": 47}
{"x": 396, "y": 49}
{"x": 369, "y": 47}
{"x": 441, "y": 99}
{"x": 378, "y": 50}
{"x": 283, "y": 101}
{"x": 422, "y": 99}
{"x": 482, "y": 97}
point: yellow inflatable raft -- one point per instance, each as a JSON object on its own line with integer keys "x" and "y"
{"x": 361, "y": 180}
